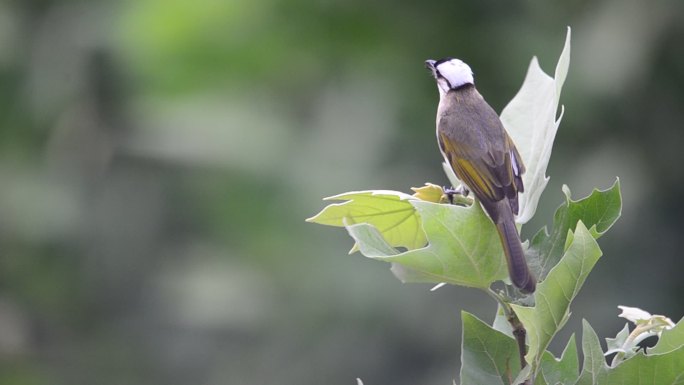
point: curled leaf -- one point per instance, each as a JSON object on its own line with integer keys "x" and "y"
{"x": 530, "y": 119}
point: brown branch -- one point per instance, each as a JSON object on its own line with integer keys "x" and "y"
{"x": 519, "y": 331}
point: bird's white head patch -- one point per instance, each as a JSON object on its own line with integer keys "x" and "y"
{"x": 450, "y": 73}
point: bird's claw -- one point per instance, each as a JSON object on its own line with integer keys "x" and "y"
{"x": 450, "y": 192}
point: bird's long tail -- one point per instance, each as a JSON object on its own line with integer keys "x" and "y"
{"x": 517, "y": 265}
{"x": 520, "y": 274}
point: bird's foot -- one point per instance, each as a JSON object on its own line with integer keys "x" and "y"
{"x": 452, "y": 192}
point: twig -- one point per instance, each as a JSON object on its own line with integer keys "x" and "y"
{"x": 519, "y": 331}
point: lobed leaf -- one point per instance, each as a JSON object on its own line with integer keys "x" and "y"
{"x": 463, "y": 247}
{"x": 564, "y": 370}
{"x": 598, "y": 211}
{"x": 556, "y": 292}
{"x": 530, "y": 119}
{"x": 487, "y": 355}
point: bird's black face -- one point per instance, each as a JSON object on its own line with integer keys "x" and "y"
{"x": 433, "y": 65}
{"x": 430, "y": 65}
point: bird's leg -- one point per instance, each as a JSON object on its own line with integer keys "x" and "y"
{"x": 452, "y": 192}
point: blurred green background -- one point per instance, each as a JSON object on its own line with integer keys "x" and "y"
{"x": 158, "y": 159}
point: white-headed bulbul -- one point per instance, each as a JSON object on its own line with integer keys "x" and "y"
{"x": 473, "y": 141}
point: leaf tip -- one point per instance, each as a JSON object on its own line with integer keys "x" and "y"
{"x": 534, "y": 64}
{"x": 566, "y": 191}
{"x": 585, "y": 324}
{"x": 581, "y": 227}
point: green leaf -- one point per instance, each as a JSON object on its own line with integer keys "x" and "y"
{"x": 487, "y": 356}
{"x": 523, "y": 375}
{"x": 594, "y": 363}
{"x": 530, "y": 119}
{"x": 463, "y": 249}
{"x": 556, "y": 292}
{"x": 501, "y": 323}
{"x": 564, "y": 370}
{"x": 541, "y": 381}
{"x": 389, "y": 211}
{"x": 619, "y": 343}
{"x": 598, "y": 211}
{"x": 652, "y": 369}
{"x": 670, "y": 339}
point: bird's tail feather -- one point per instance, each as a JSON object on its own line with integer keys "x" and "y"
{"x": 515, "y": 256}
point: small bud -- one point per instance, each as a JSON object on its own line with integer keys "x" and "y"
{"x": 430, "y": 192}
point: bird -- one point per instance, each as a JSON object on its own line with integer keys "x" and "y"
{"x": 475, "y": 144}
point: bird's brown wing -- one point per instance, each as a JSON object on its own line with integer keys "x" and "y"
{"x": 484, "y": 158}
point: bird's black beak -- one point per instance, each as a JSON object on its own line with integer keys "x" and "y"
{"x": 430, "y": 64}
